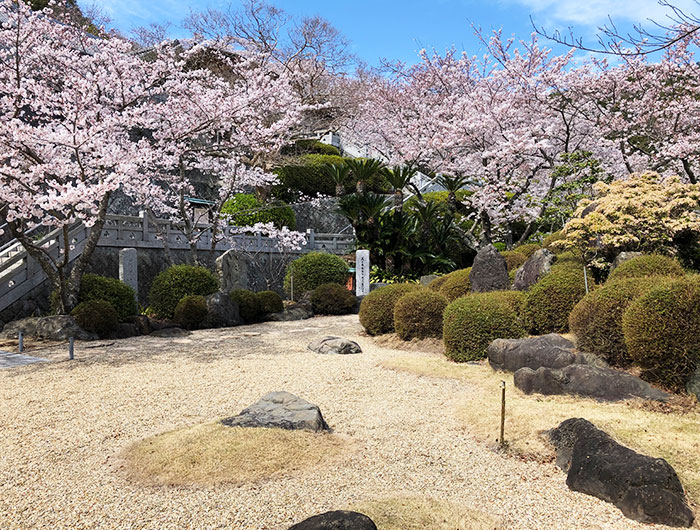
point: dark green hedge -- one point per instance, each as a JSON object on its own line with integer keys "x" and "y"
{"x": 245, "y": 210}
{"x": 117, "y": 293}
{"x": 176, "y": 282}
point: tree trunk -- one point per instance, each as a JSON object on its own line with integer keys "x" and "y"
{"x": 360, "y": 187}
{"x": 486, "y": 224}
{"x": 339, "y": 190}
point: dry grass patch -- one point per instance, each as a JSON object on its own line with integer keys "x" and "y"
{"x": 212, "y": 453}
{"x": 419, "y": 513}
{"x": 668, "y": 431}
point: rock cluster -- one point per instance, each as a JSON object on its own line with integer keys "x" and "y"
{"x": 335, "y": 345}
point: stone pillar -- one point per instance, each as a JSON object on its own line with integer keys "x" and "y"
{"x": 232, "y": 269}
{"x": 128, "y": 268}
{"x": 362, "y": 272}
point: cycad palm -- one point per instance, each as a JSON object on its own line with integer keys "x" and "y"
{"x": 363, "y": 169}
{"x": 452, "y": 184}
{"x": 398, "y": 178}
{"x": 339, "y": 175}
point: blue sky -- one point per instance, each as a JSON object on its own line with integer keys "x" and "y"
{"x": 397, "y": 29}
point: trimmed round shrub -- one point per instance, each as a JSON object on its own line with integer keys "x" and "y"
{"x": 419, "y": 314}
{"x": 377, "y": 308}
{"x": 176, "y": 282}
{"x": 191, "y": 311}
{"x": 120, "y": 295}
{"x": 332, "y": 299}
{"x": 549, "y": 302}
{"x": 514, "y": 259}
{"x": 96, "y": 316}
{"x": 456, "y": 285}
{"x": 662, "y": 332}
{"x": 472, "y": 322}
{"x": 647, "y": 265}
{"x": 246, "y": 209}
{"x": 438, "y": 282}
{"x": 550, "y": 240}
{"x": 528, "y": 249}
{"x": 248, "y": 305}
{"x": 269, "y": 302}
{"x": 314, "y": 269}
{"x": 596, "y": 319}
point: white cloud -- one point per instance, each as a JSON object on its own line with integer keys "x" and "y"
{"x": 596, "y": 12}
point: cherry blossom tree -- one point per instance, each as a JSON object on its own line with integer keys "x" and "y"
{"x": 69, "y": 103}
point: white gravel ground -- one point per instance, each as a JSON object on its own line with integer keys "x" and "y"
{"x": 64, "y": 424}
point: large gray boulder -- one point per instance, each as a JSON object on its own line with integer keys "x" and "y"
{"x": 622, "y": 257}
{"x": 550, "y": 351}
{"x": 600, "y": 383}
{"x": 489, "y": 271}
{"x": 55, "y": 327}
{"x": 336, "y": 520}
{"x": 533, "y": 269}
{"x": 281, "y": 410}
{"x": 335, "y": 346}
{"x": 302, "y": 309}
{"x": 222, "y": 312}
{"x": 646, "y": 489}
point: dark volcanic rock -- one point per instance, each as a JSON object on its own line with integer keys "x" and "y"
{"x": 533, "y": 269}
{"x": 222, "y": 312}
{"x": 336, "y": 520}
{"x": 489, "y": 271}
{"x": 550, "y": 351}
{"x": 282, "y": 410}
{"x": 646, "y": 489}
{"x": 585, "y": 380}
{"x": 335, "y": 345}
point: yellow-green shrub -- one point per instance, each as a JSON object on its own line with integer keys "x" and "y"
{"x": 419, "y": 314}
{"x": 377, "y": 308}
{"x": 472, "y": 322}
{"x": 662, "y": 332}
{"x": 191, "y": 311}
{"x": 528, "y": 249}
{"x": 457, "y": 284}
{"x": 437, "y": 283}
{"x": 514, "y": 259}
{"x": 647, "y": 265}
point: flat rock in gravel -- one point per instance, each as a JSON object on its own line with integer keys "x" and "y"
{"x": 55, "y": 327}
{"x": 533, "y": 269}
{"x": 281, "y": 410}
{"x": 604, "y": 384}
{"x": 646, "y": 489}
{"x": 489, "y": 271}
{"x": 549, "y": 351}
{"x": 335, "y": 345}
{"x": 336, "y": 520}
{"x": 168, "y": 333}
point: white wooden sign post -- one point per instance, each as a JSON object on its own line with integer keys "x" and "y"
{"x": 362, "y": 272}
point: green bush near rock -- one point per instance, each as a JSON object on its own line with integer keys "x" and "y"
{"x": 176, "y": 282}
{"x": 269, "y": 302}
{"x": 456, "y": 284}
{"x": 550, "y": 240}
{"x": 528, "y": 249}
{"x": 314, "y": 269}
{"x": 647, "y": 265}
{"x": 596, "y": 319}
{"x": 117, "y": 293}
{"x": 662, "y": 332}
{"x": 191, "y": 311}
{"x": 332, "y": 299}
{"x": 550, "y": 301}
{"x": 514, "y": 259}
{"x": 418, "y": 314}
{"x": 438, "y": 282}
{"x": 96, "y": 316}
{"x": 377, "y": 308}
{"x": 248, "y": 305}
{"x": 246, "y": 209}
{"x": 472, "y": 322}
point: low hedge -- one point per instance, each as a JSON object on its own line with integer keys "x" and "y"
{"x": 418, "y": 314}
{"x": 438, "y": 282}
{"x": 269, "y": 302}
{"x": 472, "y": 322}
{"x": 248, "y": 305}
{"x": 96, "y": 316}
{"x": 456, "y": 284}
{"x": 596, "y": 320}
{"x": 176, "y": 282}
{"x": 314, "y": 269}
{"x": 117, "y": 293}
{"x": 662, "y": 332}
{"x": 191, "y": 311}
{"x": 377, "y": 308}
{"x": 549, "y": 241}
{"x": 645, "y": 266}
{"x": 549, "y": 302}
{"x": 528, "y": 249}
{"x": 332, "y": 299}
{"x": 514, "y": 259}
